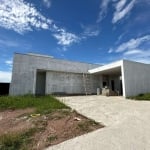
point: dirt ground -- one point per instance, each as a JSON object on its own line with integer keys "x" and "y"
{"x": 52, "y": 128}
{"x": 14, "y": 121}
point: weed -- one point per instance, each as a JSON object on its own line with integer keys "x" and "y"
{"x": 16, "y": 141}
{"x": 93, "y": 122}
{"x": 84, "y": 126}
{"x": 65, "y": 112}
{"x": 141, "y": 97}
{"x": 51, "y": 138}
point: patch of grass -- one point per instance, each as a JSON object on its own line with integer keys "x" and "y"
{"x": 51, "y": 138}
{"x": 59, "y": 114}
{"x": 93, "y": 122}
{"x": 40, "y": 125}
{"x": 86, "y": 125}
{"x": 42, "y": 104}
{"x": 16, "y": 141}
{"x": 65, "y": 112}
{"x": 141, "y": 97}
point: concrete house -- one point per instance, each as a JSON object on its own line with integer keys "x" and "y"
{"x": 40, "y": 74}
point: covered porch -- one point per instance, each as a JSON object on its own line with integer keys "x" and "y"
{"x": 111, "y": 83}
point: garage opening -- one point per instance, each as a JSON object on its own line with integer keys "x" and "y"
{"x": 40, "y": 82}
{"x": 4, "y": 88}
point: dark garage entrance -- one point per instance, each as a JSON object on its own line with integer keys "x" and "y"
{"x": 4, "y": 88}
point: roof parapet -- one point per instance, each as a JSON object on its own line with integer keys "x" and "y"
{"x": 34, "y": 54}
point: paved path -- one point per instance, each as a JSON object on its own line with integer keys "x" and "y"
{"x": 127, "y": 124}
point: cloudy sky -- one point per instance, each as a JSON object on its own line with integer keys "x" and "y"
{"x": 94, "y": 31}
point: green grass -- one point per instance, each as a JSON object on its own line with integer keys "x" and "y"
{"x": 42, "y": 104}
{"x": 52, "y": 138}
{"x": 141, "y": 97}
{"x": 16, "y": 141}
{"x": 85, "y": 126}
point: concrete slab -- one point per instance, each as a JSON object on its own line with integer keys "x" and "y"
{"x": 127, "y": 124}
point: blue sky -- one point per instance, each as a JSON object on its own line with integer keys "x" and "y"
{"x": 94, "y": 31}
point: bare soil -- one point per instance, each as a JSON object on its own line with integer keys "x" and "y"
{"x": 52, "y": 128}
{"x": 14, "y": 120}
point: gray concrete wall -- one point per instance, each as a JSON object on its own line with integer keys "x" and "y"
{"x": 136, "y": 78}
{"x": 69, "y": 83}
{"x": 25, "y": 67}
{"x": 22, "y": 76}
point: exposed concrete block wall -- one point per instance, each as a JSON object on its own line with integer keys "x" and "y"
{"x": 25, "y": 67}
{"x": 96, "y": 82}
{"x": 22, "y": 76}
{"x": 69, "y": 83}
{"x": 136, "y": 78}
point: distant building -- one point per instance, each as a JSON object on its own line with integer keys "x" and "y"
{"x": 40, "y": 74}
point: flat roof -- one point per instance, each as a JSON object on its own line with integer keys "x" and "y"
{"x": 109, "y": 68}
{"x": 34, "y": 54}
{"x": 51, "y": 57}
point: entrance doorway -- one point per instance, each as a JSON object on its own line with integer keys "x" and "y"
{"x": 40, "y": 82}
{"x": 121, "y": 92}
{"x": 112, "y": 85}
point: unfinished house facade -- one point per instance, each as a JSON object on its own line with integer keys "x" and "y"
{"x": 40, "y": 75}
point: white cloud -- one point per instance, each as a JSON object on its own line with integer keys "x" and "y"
{"x": 21, "y": 16}
{"x": 65, "y": 38}
{"x": 133, "y": 52}
{"x": 110, "y": 50}
{"x": 47, "y": 3}
{"x": 134, "y": 49}
{"x": 103, "y": 10}
{"x": 90, "y": 31}
{"x": 139, "y": 55}
{"x": 120, "y": 5}
{"x": 9, "y": 62}
{"x": 122, "y": 11}
{"x": 8, "y": 43}
{"x": 142, "y": 60}
{"x": 5, "y": 76}
{"x": 120, "y": 37}
{"x": 132, "y": 44}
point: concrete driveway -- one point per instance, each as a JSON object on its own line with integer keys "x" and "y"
{"x": 127, "y": 124}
